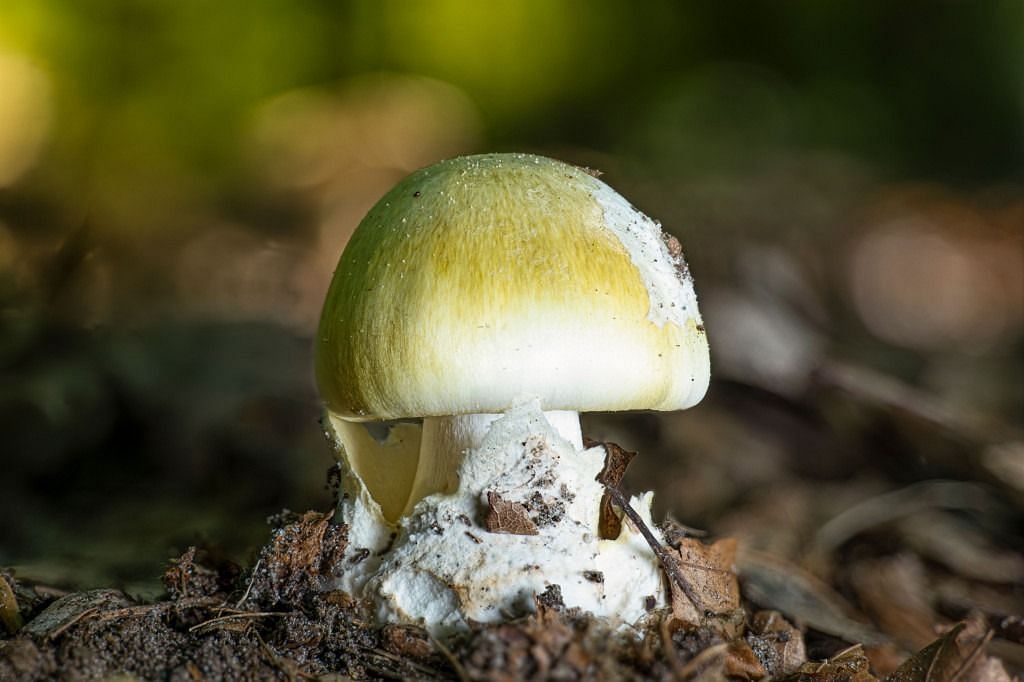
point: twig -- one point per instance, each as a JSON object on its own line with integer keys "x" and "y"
{"x": 231, "y": 616}
{"x": 66, "y": 626}
{"x": 446, "y": 652}
{"x": 430, "y": 672}
{"x": 248, "y": 588}
{"x": 279, "y": 662}
{"x": 142, "y": 609}
{"x": 973, "y": 656}
{"x": 832, "y": 659}
{"x": 668, "y": 562}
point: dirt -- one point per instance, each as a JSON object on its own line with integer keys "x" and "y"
{"x": 280, "y": 620}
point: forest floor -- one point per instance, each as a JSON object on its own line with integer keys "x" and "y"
{"x": 856, "y": 529}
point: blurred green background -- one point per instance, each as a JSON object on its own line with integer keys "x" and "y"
{"x": 178, "y": 178}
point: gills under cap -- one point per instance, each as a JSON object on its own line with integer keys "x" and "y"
{"x": 485, "y": 280}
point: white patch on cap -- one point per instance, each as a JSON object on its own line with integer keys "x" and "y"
{"x": 672, "y": 296}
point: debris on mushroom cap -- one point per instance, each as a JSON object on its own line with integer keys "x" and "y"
{"x": 484, "y": 279}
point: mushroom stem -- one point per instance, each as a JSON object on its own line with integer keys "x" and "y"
{"x": 446, "y": 439}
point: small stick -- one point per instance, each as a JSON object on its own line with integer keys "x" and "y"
{"x": 459, "y": 669}
{"x": 68, "y": 625}
{"x": 668, "y": 562}
{"x": 252, "y": 579}
{"x": 230, "y": 616}
{"x": 972, "y": 657}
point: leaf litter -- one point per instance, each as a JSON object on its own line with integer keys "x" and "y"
{"x": 735, "y": 614}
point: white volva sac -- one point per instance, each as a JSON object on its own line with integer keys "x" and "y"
{"x": 491, "y": 299}
{"x": 443, "y": 568}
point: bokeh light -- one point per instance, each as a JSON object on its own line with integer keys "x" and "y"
{"x": 25, "y": 112}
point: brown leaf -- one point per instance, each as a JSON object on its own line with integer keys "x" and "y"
{"x": 504, "y": 516}
{"x": 71, "y": 609}
{"x": 709, "y": 571}
{"x": 957, "y": 655}
{"x": 779, "y": 645}
{"x": 775, "y": 583}
{"x": 894, "y": 592}
{"x": 615, "y": 462}
{"x": 734, "y": 660}
{"x": 850, "y": 665}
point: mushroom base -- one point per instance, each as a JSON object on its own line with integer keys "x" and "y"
{"x": 523, "y": 518}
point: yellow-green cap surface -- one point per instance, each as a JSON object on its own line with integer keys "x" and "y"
{"x": 485, "y": 280}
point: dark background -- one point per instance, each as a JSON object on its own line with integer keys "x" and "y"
{"x": 177, "y": 180}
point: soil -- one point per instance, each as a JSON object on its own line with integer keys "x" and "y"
{"x": 277, "y": 621}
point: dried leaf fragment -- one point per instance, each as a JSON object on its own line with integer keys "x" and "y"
{"x": 893, "y": 590}
{"x": 957, "y": 655}
{"x": 775, "y": 583}
{"x": 504, "y": 516}
{"x": 779, "y": 644}
{"x": 733, "y": 660}
{"x": 708, "y": 569}
{"x": 615, "y": 462}
{"x": 850, "y": 665}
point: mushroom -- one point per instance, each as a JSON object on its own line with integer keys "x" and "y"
{"x": 494, "y": 298}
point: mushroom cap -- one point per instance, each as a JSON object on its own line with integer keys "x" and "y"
{"x": 483, "y": 281}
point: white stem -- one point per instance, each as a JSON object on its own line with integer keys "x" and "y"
{"x": 446, "y": 439}
{"x": 568, "y": 426}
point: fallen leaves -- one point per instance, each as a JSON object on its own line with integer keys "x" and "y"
{"x": 779, "y": 644}
{"x": 959, "y": 654}
{"x": 616, "y": 461}
{"x": 777, "y": 584}
{"x": 708, "y": 569}
{"x": 849, "y": 665}
{"x": 893, "y": 591}
{"x": 733, "y": 660}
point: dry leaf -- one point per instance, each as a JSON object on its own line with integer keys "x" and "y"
{"x": 957, "y": 655}
{"x": 615, "y": 462}
{"x": 72, "y": 608}
{"x": 850, "y": 665}
{"x": 779, "y": 644}
{"x": 709, "y": 571}
{"x": 894, "y": 591}
{"x": 504, "y": 516}
{"x": 777, "y": 584}
{"x": 734, "y": 660}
